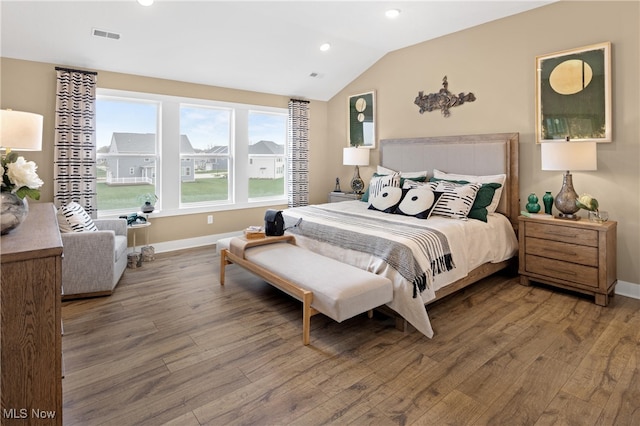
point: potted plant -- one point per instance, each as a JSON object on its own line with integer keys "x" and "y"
{"x": 149, "y": 201}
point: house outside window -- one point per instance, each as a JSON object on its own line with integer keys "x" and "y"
{"x": 193, "y": 154}
{"x": 126, "y": 152}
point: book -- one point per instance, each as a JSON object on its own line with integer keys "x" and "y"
{"x": 254, "y": 232}
{"x": 536, "y": 215}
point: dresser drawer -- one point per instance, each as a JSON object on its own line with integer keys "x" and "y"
{"x": 584, "y": 255}
{"x": 581, "y": 236}
{"x": 581, "y": 274}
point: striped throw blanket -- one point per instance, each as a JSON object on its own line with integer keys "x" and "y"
{"x": 417, "y": 253}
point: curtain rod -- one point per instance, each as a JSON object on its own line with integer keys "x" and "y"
{"x": 72, "y": 70}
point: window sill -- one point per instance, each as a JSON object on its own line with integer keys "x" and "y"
{"x": 200, "y": 209}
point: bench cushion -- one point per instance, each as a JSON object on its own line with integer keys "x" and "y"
{"x": 340, "y": 291}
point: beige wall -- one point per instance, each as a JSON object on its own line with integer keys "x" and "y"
{"x": 30, "y": 86}
{"x": 496, "y": 62}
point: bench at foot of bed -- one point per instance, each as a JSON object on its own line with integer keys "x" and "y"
{"x": 324, "y": 285}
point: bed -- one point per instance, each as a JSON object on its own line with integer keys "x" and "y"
{"x": 426, "y": 259}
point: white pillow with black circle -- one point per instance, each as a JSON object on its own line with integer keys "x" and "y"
{"x": 417, "y": 202}
{"x": 386, "y": 200}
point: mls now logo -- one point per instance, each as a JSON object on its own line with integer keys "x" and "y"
{"x": 23, "y": 413}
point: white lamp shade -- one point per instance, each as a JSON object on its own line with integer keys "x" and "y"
{"x": 20, "y": 131}
{"x": 355, "y": 156}
{"x": 569, "y": 156}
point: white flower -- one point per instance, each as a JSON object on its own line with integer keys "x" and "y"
{"x": 23, "y": 173}
{"x": 19, "y": 176}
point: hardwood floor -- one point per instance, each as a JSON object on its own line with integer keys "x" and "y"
{"x": 171, "y": 346}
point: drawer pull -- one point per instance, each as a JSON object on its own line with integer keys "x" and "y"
{"x": 561, "y": 252}
{"x": 569, "y": 273}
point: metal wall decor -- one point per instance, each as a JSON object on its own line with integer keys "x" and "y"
{"x": 443, "y": 100}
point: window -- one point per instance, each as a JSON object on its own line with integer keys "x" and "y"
{"x": 205, "y": 137}
{"x": 126, "y": 151}
{"x": 193, "y": 153}
{"x": 267, "y": 142}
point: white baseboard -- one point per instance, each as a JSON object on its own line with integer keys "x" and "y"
{"x": 627, "y": 289}
{"x": 188, "y": 243}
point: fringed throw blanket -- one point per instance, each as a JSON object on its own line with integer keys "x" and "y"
{"x": 417, "y": 253}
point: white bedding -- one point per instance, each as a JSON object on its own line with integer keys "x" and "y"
{"x": 472, "y": 243}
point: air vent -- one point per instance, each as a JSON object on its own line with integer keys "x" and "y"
{"x": 106, "y": 34}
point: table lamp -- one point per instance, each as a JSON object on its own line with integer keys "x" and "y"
{"x": 567, "y": 155}
{"x": 21, "y": 131}
{"x": 354, "y": 156}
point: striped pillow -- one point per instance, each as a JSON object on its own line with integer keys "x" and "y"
{"x": 378, "y": 182}
{"x": 456, "y": 200}
{"x": 73, "y": 218}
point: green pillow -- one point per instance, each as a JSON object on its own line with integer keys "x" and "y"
{"x": 365, "y": 196}
{"x": 483, "y": 198}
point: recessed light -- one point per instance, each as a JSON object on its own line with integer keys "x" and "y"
{"x": 325, "y": 46}
{"x": 392, "y": 13}
{"x": 145, "y": 2}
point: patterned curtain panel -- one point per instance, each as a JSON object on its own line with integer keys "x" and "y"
{"x": 74, "y": 172}
{"x": 298, "y": 153}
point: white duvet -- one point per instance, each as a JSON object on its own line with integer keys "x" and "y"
{"x": 472, "y": 243}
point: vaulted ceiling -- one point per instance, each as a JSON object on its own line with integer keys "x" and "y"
{"x": 264, "y": 46}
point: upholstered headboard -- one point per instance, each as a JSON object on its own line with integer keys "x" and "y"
{"x": 489, "y": 154}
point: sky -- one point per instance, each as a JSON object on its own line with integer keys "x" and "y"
{"x": 205, "y": 127}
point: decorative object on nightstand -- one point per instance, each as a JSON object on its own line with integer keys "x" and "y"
{"x": 590, "y": 204}
{"x": 568, "y": 156}
{"x": 547, "y": 200}
{"x": 337, "y": 188}
{"x": 354, "y": 156}
{"x": 578, "y": 256}
{"x": 533, "y": 206}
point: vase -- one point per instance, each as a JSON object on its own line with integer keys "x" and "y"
{"x": 13, "y": 211}
{"x": 533, "y": 206}
{"x": 547, "y": 200}
{"x": 147, "y": 207}
{"x": 599, "y": 216}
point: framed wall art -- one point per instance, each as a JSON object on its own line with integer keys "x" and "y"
{"x": 573, "y": 94}
{"x": 362, "y": 120}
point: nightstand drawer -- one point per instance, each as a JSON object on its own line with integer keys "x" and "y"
{"x": 573, "y": 272}
{"x": 583, "y": 255}
{"x": 571, "y": 235}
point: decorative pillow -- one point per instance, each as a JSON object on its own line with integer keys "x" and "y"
{"x": 409, "y": 175}
{"x": 378, "y": 182}
{"x": 501, "y": 178}
{"x": 483, "y": 198}
{"x": 382, "y": 171}
{"x": 386, "y": 200}
{"x": 456, "y": 199}
{"x": 73, "y": 218}
{"x": 417, "y": 202}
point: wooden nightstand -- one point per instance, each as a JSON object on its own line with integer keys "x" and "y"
{"x": 574, "y": 255}
{"x": 335, "y": 197}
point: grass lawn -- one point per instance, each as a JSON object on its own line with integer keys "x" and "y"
{"x": 128, "y": 197}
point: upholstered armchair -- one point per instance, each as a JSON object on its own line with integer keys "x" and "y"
{"x": 94, "y": 261}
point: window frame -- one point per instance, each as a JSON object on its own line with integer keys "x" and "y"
{"x": 168, "y": 167}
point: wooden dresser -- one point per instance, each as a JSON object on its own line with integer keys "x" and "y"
{"x": 575, "y": 255}
{"x": 31, "y": 341}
